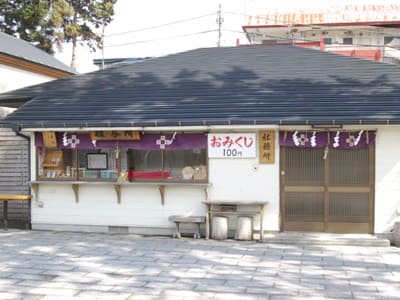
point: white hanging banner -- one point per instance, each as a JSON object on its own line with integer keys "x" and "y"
{"x": 232, "y": 145}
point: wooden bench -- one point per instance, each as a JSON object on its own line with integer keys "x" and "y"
{"x": 5, "y": 199}
{"x": 178, "y": 219}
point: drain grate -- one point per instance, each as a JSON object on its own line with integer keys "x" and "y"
{"x": 118, "y": 229}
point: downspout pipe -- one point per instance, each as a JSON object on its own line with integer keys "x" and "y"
{"x": 27, "y": 138}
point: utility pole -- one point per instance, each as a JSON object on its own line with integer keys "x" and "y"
{"x": 220, "y": 20}
{"x": 102, "y": 47}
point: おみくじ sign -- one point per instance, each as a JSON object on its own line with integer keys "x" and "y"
{"x": 232, "y": 145}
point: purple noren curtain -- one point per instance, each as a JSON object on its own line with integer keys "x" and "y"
{"x": 331, "y": 139}
{"x": 69, "y": 140}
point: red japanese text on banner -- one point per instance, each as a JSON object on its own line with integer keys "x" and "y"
{"x": 232, "y": 145}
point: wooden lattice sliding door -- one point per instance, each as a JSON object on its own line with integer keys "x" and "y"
{"x": 327, "y": 191}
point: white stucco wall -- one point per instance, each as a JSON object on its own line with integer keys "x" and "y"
{"x": 247, "y": 180}
{"x": 231, "y": 179}
{"x": 140, "y": 205}
{"x": 387, "y": 177}
{"x": 13, "y": 78}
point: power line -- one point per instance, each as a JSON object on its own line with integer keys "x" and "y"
{"x": 161, "y": 39}
{"x": 160, "y": 25}
{"x": 219, "y": 20}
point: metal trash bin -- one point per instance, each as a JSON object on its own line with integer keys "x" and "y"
{"x": 244, "y": 228}
{"x": 219, "y": 228}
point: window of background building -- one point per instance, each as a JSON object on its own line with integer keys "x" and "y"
{"x": 389, "y": 39}
{"x": 347, "y": 41}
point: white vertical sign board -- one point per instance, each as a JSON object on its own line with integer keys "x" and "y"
{"x": 232, "y": 145}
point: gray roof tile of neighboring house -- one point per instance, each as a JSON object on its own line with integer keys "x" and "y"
{"x": 21, "y": 49}
{"x": 212, "y": 86}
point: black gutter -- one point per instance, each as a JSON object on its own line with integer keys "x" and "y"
{"x": 18, "y": 133}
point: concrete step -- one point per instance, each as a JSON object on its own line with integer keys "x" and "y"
{"x": 329, "y": 239}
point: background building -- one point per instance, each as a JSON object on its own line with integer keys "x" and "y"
{"x": 108, "y": 62}
{"x": 370, "y": 31}
{"x": 21, "y": 65}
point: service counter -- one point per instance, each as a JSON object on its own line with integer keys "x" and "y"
{"x": 161, "y": 185}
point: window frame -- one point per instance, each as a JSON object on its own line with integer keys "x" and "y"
{"x": 76, "y": 169}
{"x": 348, "y": 41}
{"x": 163, "y": 169}
{"x": 328, "y": 41}
{"x": 102, "y": 156}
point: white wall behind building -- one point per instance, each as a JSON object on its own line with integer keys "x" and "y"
{"x": 13, "y": 78}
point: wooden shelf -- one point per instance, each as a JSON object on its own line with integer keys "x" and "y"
{"x": 53, "y": 164}
{"x": 53, "y": 158}
{"x": 117, "y": 186}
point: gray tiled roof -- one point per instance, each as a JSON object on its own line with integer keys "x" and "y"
{"x": 21, "y": 49}
{"x": 213, "y": 86}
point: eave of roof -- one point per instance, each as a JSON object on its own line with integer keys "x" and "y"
{"x": 203, "y": 124}
{"x": 21, "y": 49}
{"x": 27, "y": 65}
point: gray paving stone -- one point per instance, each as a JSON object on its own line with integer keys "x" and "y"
{"x": 272, "y": 291}
{"x": 184, "y": 274}
{"x": 73, "y": 279}
{"x": 6, "y": 274}
{"x": 104, "y": 295}
{"x": 284, "y": 297}
{"x": 148, "y": 278}
{"x": 249, "y": 283}
{"x": 363, "y": 287}
{"x": 25, "y": 270}
{"x": 237, "y": 296}
{"x": 366, "y": 295}
{"x": 7, "y": 281}
{"x": 219, "y": 289}
{"x": 38, "y": 277}
{"x": 53, "y": 291}
{"x": 242, "y": 276}
{"x": 49, "y": 297}
{"x": 18, "y": 296}
{"x": 341, "y": 294}
{"x": 98, "y": 266}
{"x": 89, "y": 287}
{"x": 170, "y": 285}
{"x": 16, "y": 289}
{"x": 44, "y": 284}
{"x": 137, "y": 290}
{"x": 216, "y": 281}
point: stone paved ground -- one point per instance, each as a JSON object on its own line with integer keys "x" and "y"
{"x": 48, "y": 265}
